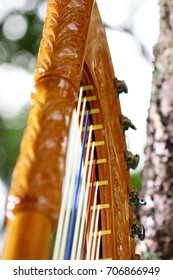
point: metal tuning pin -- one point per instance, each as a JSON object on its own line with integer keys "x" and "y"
{"x": 141, "y": 201}
{"x": 134, "y": 199}
{"x": 126, "y": 123}
{"x": 132, "y": 161}
{"x": 121, "y": 86}
{"x": 138, "y": 230}
{"x": 136, "y": 257}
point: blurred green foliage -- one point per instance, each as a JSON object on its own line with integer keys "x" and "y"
{"x": 31, "y": 39}
{"x": 30, "y": 42}
{"x": 11, "y": 131}
{"x": 136, "y": 181}
{"x": 20, "y": 52}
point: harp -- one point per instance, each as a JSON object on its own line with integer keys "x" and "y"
{"x": 73, "y": 58}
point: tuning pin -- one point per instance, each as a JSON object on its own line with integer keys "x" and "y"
{"x": 121, "y": 86}
{"x": 134, "y": 198}
{"x": 126, "y": 123}
{"x": 141, "y": 201}
{"x": 138, "y": 230}
{"x": 132, "y": 161}
{"x": 136, "y": 257}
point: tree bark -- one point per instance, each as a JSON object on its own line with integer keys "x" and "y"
{"x": 157, "y": 175}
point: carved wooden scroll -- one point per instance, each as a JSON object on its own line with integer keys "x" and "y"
{"x": 73, "y": 51}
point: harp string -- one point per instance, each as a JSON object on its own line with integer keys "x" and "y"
{"x": 92, "y": 223}
{"x": 98, "y": 245}
{"x": 81, "y": 198}
{"x": 88, "y": 209}
{"x": 109, "y": 146}
{"x": 69, "y": 169}
{"x": 76, "y": 231}
{"x": 74, "y": 208}
{"x": 71, "y": 189}
{"x": 95, "y": 232}
{"x": 69, "y": 183}
{"x": 83, "y": 201}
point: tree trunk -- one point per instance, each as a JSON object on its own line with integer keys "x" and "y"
{"x": 157, "y": 215}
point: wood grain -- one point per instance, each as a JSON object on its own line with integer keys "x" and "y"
{"x": 73, "y": 49}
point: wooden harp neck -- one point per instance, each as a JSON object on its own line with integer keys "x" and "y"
{"x": 73, "y": 52}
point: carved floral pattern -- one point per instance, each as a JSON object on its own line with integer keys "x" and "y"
{"x": 38, "y": 175}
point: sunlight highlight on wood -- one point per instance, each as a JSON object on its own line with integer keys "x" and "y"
{"x": 70, "y": 183}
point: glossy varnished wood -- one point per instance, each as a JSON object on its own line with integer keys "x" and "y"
{"x": 98, "y": 70}
{"x": 73, "y": 48}
{"x": 38, "y": 174}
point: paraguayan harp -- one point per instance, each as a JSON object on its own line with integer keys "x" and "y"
{"x": 73, "y": 58}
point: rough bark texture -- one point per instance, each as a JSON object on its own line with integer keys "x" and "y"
{"x": 157, "y": 216}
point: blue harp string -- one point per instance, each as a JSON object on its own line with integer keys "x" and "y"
{"x": 74, "y": 209}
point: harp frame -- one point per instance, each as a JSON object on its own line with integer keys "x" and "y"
{"x": 73, "y": 50}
